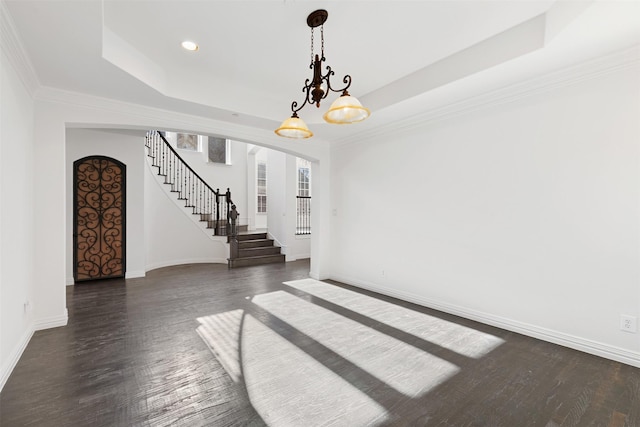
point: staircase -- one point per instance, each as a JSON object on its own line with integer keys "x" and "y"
{"x": 254, "y": 248}
{"x": 211, "y": 206}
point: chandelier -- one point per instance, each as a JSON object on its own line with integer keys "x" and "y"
{"x": 344, "y": 110}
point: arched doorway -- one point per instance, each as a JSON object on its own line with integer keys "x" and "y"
{"x": 99, "y": 218}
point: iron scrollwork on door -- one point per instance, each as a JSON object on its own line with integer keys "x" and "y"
{"x": 99, "y": 218}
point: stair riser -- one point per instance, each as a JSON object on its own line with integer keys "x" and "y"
{"x": 269, "y": 250}
{"x": 252, "y": 236}
{"x": 255, "y": 243}
{"x": 245, "y": 262}
{"x": 245, "y": 236}
{"x": 212, "y": 224}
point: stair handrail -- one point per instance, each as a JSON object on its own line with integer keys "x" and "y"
{"x": 217, "y": 193}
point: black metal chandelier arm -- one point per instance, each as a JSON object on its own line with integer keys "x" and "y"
{"x": 295, "y": 108}
{"x": 306, "y": 89}
{"x": 346, "y": 80}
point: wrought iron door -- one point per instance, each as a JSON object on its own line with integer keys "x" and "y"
{"x": 98, "y": 218}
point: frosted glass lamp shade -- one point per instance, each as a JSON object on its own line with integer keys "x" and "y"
{"x": 346, "y": 109}
{"x": 294, "y": 127}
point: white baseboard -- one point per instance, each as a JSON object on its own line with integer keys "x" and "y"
{"x": 15, "y": 355}
{"x": 70, "y": 281}
{"x": 52, "y": 321}
{"x": 297, "y": 257}
{"x": 44, "y": 323}
{"x": 134, "y": 274}
{"x": 185, "y": 261}
{"x": 556, "y": 337}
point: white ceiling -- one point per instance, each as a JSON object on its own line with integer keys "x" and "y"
{"x": 254, "y": 55}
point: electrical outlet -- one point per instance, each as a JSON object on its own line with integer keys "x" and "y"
{"x": 628, "y": 323}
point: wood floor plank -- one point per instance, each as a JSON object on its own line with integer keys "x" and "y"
{"x": 133, "y": 355}
{"x": 617, "y": 420}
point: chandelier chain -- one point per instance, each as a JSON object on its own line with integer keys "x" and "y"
{"x": 322, "y": 40}
{"x": 312, "y": 46}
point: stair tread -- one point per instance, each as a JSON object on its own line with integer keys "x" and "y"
{"x": 259, "y": 248}
{"x": 261, "y": 256}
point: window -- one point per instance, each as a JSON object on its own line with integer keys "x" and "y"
{"x": 304, "y": 179}
{"x": 303, "y": 199}
{"x": 187, "y": 141}
{"x": 262, "y": 187}
{"x": 219, "y": 150}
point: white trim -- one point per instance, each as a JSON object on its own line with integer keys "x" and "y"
{"x": 556, "y": 337}
{"x": 567, "y": 76}
{"x": 15, "y": 355}
{"x": 70, "y": 281}
{"x": 314, "y": 274}
{"x": 134, "y": 274}
{"x": 299, "y": 256}
{"x": 52, "y": 321}
{"x": 185, "y": 261}
{"x": 16, "y": 53}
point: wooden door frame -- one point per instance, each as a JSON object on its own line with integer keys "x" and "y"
{"x": 123, "y": 168}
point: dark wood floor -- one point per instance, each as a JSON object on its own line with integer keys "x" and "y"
{"x": 131, "y": 356}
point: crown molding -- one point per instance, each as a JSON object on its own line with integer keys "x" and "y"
{"x": 574, "y": 74}
{"x": 13, "y": 48}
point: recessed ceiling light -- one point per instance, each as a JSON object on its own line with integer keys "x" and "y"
{"x": 189, "y": 45}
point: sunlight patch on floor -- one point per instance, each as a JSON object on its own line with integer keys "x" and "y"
{"x": 312, "y": 365}
{"x": 285, "y": 384}
{"x": 221, "y": 333}
{"x": 460, "y": 339}
{"x": 288, "y": 387}
{"x": 407, "y": 369}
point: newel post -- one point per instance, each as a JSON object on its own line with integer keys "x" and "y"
{"x": 233, "y": 248}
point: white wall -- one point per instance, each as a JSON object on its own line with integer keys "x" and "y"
{"x": 172, "y": 235}
{"x": 298, "y": 246}
{"x": 127, "y": 147}
{"x": 523, "y": 215}
{"x": 281, "y": 205}
{"x": 18, "y": 213}
{"x": 276, "y": 197}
